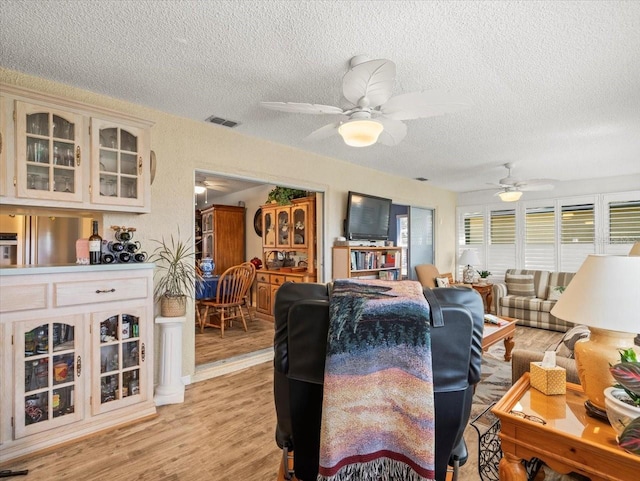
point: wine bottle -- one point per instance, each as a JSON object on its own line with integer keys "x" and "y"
{"x": 134, "y": 386}
{"x": 95, "y": 245}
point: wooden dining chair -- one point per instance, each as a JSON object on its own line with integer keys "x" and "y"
{"x": 247, "y": 297}
{"x": 227, "y": 305}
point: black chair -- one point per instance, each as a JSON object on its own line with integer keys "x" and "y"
{"x": 301, "y": 326}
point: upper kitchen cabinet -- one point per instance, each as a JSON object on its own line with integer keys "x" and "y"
{"x": 49, "y": 157}
{"x": 120, "y": 173}
{"x": 60, "y": 153}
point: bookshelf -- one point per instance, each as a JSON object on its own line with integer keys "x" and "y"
{"x": 367, "y": 262}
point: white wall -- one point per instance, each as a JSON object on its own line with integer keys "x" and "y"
{"x": 183, "y": 146}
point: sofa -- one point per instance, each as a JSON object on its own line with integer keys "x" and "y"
{"x": 529, "y": 296}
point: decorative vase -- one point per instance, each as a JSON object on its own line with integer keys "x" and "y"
{"x": 173, "y": 306}
{"x": 619, "y": 412}
{"x": 207, "y": 266}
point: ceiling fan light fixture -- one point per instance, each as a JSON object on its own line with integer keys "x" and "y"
{"x": 199, "y": 189}
{"x": 510, "y": 195}
{"x": 360, "y": 133}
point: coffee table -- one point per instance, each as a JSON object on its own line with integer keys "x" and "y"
{"x": 494, "y": 333}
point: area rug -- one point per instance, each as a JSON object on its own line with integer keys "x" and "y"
{"x": 495, "y": 382}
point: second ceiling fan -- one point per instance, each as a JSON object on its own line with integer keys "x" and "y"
{"x": 372, "y": 114}
{"x": 512, "y": 188}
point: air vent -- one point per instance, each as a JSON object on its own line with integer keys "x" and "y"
{"x": 220, "y": 121}
{"x": 421, "y": 179}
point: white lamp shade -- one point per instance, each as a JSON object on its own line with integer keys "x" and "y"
{"x": 635, "y": 250}
{"x": 510, "y": 195}
{"x": 604, "y": 293}
{"x": 469, "y": 258}
{"x": 360, "y": 133}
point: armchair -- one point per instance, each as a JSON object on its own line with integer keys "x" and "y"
{"x": 301, "y": 325}
{"x": 428, "y": 273}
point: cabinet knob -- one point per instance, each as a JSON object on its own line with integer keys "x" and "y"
{"x": 78, "y": 156}
{"x": 140, "y": 165}
{"x": 142, "y": 352}
{"x": 78, "y": 366}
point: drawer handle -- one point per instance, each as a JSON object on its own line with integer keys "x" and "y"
{"x": 142, "y": 352}
{"x": 79, "y": 366}
{"x": 105, "y": 291}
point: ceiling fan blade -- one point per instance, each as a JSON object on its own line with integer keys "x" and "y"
{"x": 302, "y": 108}
{"x": 394, "y": 131}
{"x": 527, "y": 187}
{"x": 373, "y": 79}
{"x": 430, "y": 103}
{"x": 323, "y": 132}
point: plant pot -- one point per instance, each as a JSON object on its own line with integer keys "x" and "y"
{"x": 173, "y": 306}
{"x": 620, "y": 413}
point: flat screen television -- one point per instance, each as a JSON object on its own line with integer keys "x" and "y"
{"x": 367, "y": 217}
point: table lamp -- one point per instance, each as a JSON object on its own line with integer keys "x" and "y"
{"x": 604, "y": 295}
{"x": 470, "y": 259}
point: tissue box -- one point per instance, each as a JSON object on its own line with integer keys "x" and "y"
{"x": 548, "y": 380}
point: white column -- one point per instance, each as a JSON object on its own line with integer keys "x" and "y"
{"x": 170, "y": 389}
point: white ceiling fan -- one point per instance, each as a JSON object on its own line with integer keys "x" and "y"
{"x": 372, "y": 114}
{"x": 512, "y": 187}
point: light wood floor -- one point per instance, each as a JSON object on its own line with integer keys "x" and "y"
{"x": 210, "y": 347}
{"x": 224, "y": 431}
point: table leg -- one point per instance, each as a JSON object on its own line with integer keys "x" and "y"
{"x": 511, "y": 469}
{"x": 508, "y": 347}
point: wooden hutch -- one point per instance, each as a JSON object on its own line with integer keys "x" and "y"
{"x": 288, "y": 249}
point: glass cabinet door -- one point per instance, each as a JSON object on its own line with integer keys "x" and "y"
{"x": 268, "y": 228}
{"x": 283, "y": 233}
{"x": 299, "y": 215}
{"x": 118, "y": 358}
{"x": 48, "y": 372}
{"x": 48, "y": 153}
{"x": 118, "y": 163}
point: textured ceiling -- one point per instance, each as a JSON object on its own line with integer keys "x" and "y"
{"x": 556, "y": 85}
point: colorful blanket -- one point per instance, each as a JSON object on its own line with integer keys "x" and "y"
{"x": 378, "y": 420}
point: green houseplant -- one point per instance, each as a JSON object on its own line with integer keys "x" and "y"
{"x": 484, "y": 274}
{"x": 622, "y": 401}
{"x": 284, "y": 195}
{"x": 176, "y": 275}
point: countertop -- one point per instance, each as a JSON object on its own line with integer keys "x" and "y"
{"x": 61, "y": 268}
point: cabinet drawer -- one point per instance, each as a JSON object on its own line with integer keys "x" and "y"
{"x": 20, "y": 298}
{"x": 294, "y": 279}
{"x": 73, "y": 293}
{"x": 277, "y": 280}
{"x": 262, "y": 277}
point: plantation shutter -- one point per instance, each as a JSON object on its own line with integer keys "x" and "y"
{"x": 540, "y": 238}
{"x": 471, "y": 235}
{"x": 623, "y": 221}
{"x": 502, "y": 242}
{"x": 577, "y": 235}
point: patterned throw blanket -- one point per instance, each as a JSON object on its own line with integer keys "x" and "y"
{"x": 378, "y": 420}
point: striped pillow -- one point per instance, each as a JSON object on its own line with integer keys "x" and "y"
{"x": 520, "y": 285}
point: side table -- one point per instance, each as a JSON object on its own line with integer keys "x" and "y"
{"x": 485, "y": 291}
{"x": 568, "y": 441}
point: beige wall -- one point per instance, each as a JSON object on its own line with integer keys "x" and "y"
{"x": 182, "y": 146}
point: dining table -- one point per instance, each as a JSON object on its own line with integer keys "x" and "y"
{"x": 207, "y": 288}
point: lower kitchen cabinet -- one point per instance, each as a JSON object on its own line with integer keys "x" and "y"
{"x": 77, "y": 347}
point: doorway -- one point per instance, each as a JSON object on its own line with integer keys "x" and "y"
{"x": 215, "y": 355}
{"x": 412, "y": 229}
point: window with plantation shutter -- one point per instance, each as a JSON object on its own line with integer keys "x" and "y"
{"x": 502, "y": 241}
{"x": 471, "y": 233}
{"x": 577, "y": 235}
{"x": 623, "y": 220}
{"x": 540, "y": 238}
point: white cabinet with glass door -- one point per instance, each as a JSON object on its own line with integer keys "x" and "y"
{"x": 119, "y": 354}
{"x": 49, "y": 377}
{"x": 120, "y": 173}
{"x": 49, "y": 157}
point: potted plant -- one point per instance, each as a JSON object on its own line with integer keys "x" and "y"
{"x": 176, "y": 275}
{"x": 622, "y": 401}
{"x": 284, "y": 195}
{"x": 483, "y": 276}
